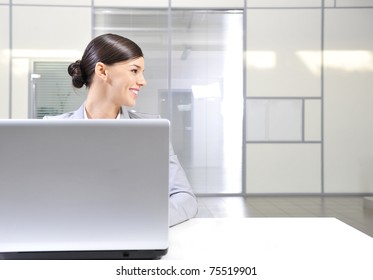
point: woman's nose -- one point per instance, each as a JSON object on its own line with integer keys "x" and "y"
{"x": 141, "y": 81}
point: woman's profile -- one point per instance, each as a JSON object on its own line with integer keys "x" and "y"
{"x": 112, "y": 69}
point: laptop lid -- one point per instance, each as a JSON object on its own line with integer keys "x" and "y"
{"x": 84, "y": 189}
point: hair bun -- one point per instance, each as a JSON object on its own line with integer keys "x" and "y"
{"x": 75, "y": 72}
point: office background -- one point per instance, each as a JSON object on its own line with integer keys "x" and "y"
{"x": 265, "y": 97}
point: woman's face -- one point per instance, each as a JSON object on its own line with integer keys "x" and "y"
{"x": 125, "y": 80}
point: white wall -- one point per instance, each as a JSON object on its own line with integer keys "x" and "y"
{"x": 348, "y": 100}
{"x": 131, "y": 3}
{"x": 53, "y": 33}
{"x": 331, "y": 150}
{"x": 4, "y": 62}
{"x": 283, "y": 97}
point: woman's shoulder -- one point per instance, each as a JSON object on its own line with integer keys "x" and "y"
{"x": 78, "y": 114}
{"x": 137, "y": 115}
{"x": 68, "y": 115}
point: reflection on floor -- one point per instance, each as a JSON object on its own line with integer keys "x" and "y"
{"x": 349, "y": 209}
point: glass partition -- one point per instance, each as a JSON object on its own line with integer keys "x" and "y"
{"x": 194, "y": 72}
{"x": 206, "y": 98}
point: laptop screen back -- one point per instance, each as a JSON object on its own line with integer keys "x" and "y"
{"x": 83, "y": 185}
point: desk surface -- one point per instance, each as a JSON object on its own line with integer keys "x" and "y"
{"x": 278, "y": 248}
{"x": 304, "y": 243}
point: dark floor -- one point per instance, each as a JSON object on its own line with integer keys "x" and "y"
{"x": 350, "y": 210}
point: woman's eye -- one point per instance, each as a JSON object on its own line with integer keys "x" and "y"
{"x": 134, "y": 71}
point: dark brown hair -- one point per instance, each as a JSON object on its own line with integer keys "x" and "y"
{"x": 108, "y": 49}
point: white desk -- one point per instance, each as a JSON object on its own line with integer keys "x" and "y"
{"x": 278, "y": 248}
{"x": 307, "y": 246}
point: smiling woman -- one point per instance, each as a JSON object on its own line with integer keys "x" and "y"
{"x": 112, "y": 69}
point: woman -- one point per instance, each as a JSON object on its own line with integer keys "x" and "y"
{"x": 112, "y": 69}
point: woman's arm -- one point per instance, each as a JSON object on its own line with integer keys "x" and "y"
{"x": 183, "y": 203}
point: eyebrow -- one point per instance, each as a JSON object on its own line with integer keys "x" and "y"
{"x": 137, "y": 66}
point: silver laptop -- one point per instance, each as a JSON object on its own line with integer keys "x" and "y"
{"x": 84, "y": 189}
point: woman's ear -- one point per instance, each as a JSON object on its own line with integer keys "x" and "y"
{"x": 100, "y": 71}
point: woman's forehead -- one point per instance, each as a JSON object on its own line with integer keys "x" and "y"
{"x": 139, "y": 62}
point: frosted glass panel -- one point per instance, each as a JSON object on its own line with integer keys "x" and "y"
{"x": 131, "y": 3}
{"x": 207, "y": 97}
{"x": 4, "y": 62}
{"x": 273, "y": 120}
{"x": 329, "y": 3}
{"x": 354, "y": 3}
{"x": 50, "y": 30}
{"x": 54, "y": 2}
{"x": 257, "y": 120}
{"x": 312, "y": 116}
{"x": 208, "y": 4}
{"x": 283, "y": 3}
{"x": 348, "y": 101}
{"x": 20, "y": 87}
{"x": 283, "y": 52}
{"x": 283, "y": 168}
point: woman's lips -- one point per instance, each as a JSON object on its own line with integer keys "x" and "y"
{"x": 135, "y": 91}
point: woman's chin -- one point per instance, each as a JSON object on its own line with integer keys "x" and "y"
{"x": 130, "y": 104}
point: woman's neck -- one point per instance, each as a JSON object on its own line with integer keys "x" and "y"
{"x": 98, "y": 106}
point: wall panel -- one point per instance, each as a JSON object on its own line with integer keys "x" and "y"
{"x": 348, "y": 101}
{"x": 131, "y": 4}
{"x": 312, "y": 120}
{"x": 53, "y": 3}
{"x": 4, "y": 61}
{"x": 283, "y": 168}
{"x": 226, "y": 4}
{"x": 56, "y": 33}
{"x": 283, "y": 52}
{"x": 283, "y": 3}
